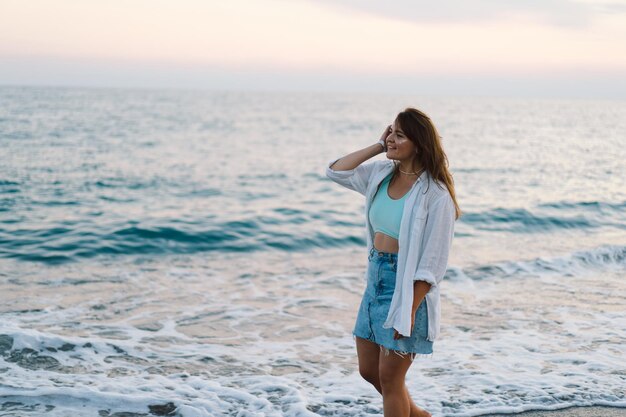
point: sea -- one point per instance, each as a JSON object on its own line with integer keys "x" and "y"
{"x": 182, "y": 253}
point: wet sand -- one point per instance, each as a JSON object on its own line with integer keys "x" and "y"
{"x": 594, "y": 411}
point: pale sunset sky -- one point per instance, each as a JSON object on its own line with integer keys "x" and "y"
{"x": 526, "y": 48}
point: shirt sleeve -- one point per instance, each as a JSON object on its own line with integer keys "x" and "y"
{"x": 437, "y": 240}
{"x": 355, "y": 179}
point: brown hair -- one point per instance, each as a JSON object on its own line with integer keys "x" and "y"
{"x": 430, "y": 155}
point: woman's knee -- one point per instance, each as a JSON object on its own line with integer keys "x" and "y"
{"x": 368, "y": 360}
{"x": 390, "y": 379}
{"x": 369, "y": 373}
{"x": 392, "y": 372}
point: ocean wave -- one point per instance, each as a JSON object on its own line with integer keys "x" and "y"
{"x": 548, "y": 217}
{"x": 279, "y": 228}
{"x": 607, "y": 256}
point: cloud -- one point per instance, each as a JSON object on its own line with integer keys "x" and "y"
{"x": 563, "y": 13}
{"x": 612, "y": 7}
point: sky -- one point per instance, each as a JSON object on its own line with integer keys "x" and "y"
{"x": 526, "y": 48}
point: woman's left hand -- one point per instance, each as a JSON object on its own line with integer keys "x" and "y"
{"x": 397, "y": 335}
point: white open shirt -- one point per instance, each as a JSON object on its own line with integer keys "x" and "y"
{"x": 424, "y": 240}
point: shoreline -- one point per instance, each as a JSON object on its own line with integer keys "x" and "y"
{"x": 573, "y": 411}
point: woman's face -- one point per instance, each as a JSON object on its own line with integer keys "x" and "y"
{"x": 399, "y": 147}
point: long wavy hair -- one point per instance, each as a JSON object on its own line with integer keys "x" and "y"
{"x": 430, "y": 155}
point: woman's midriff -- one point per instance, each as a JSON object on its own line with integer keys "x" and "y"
{"x": 385, "y": 243}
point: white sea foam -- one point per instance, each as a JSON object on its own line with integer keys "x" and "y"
{"x": 268, "y": 341}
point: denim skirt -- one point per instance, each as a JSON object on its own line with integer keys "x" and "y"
{"x": 381, "y": 282}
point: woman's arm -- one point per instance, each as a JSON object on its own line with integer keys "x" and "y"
{"x": 351, "y": 171}
{"x": 437, "y": 238}
{"x": 420, "y": 288}
{"x": 354, "y": 159}
{"x": 434, "y": 260}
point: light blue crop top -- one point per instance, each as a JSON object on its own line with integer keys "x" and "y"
{"x": 386, "y": 213}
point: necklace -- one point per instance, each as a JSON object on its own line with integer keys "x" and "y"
{"x": 408, "y": 173}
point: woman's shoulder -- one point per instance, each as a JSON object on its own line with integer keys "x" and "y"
{"x": 379, "y": 166}
{"x": 435, "y": 190}
{"x": 383, "y": 163}
{"x": 373, "y": 167}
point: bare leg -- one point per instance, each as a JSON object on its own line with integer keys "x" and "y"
{"x": 415, "y": 410}
{"x": 396, "y": 399}
{"x": 368, "y": 355}
{"x": 367, "y": 352}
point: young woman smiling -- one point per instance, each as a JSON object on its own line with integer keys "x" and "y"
{"x": 410, "y": 208}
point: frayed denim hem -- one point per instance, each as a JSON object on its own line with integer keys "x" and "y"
{"x": 401, "y": 353}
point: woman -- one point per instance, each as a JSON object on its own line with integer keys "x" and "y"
{"x": 410, "y": 209}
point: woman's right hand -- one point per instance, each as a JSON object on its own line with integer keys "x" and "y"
{"x": 383, "y": 138}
